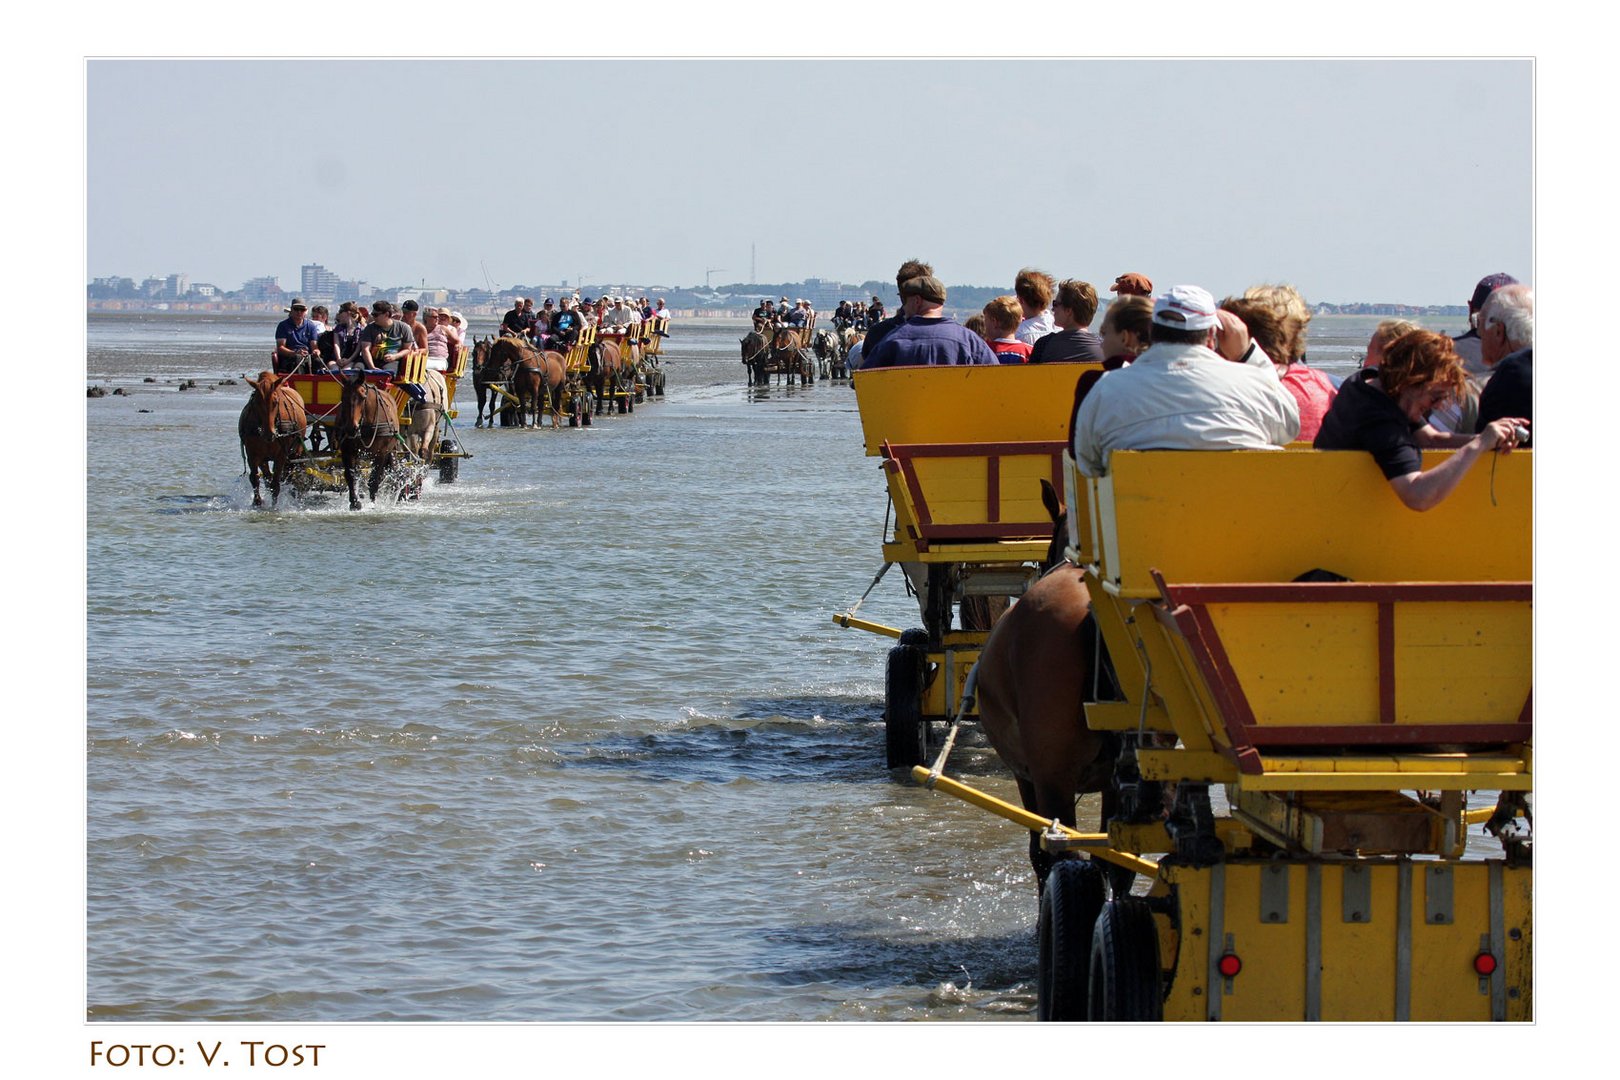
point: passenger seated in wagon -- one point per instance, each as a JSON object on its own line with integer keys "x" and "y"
{"x": 385, "y": 340}
{"x": 340, "y": 346}
{"x": 296, "y": 340}
{"x": 1181, "y": 394}
{"x": 1381, "y": 410}
{"x": 566, "y": 325}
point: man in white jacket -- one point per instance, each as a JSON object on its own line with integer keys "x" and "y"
{"x": 1182, "y": 395}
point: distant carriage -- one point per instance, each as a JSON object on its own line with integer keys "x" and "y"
{"x": 606, "y": 369}
{"x": 653, "y": 333}
{"x": 786, "y": 351}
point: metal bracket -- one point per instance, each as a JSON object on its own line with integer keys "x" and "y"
{"x": 1274, "y": 894}
{"x": 1437, "y": 895}
{"x": 1357, "y": 896}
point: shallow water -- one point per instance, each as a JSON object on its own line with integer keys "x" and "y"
{"x": 572, "y": 738}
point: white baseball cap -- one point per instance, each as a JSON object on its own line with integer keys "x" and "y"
{"x": 1186, "y": 307}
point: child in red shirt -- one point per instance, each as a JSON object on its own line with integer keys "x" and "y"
{"x": 1001, "y": 318}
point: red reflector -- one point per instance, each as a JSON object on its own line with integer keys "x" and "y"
{"x": 1229, "y": 965}
{"x": 1485, "y": 963}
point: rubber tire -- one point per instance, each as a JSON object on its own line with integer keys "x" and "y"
{"x": 449, "y": 469}
{"x": 1069, "y": 907}
{"x": 905, "y": 732}
{"x": 1123, "y": 976}
{"x": 914, "y": 636}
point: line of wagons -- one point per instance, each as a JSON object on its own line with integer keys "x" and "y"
{"x": 605, "y": 370}
{"x": 1313, "y": 739}
{"x": 796, "y": 353}
{"x": 316, "y": 431}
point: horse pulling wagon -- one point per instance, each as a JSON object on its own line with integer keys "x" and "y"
{"x": 964, "y": 451}
{"x": 788, "y": 351}
{"x": 356, "y": 424}
{"x": 604, "y": 369}
{"x": 1316, "y": 694}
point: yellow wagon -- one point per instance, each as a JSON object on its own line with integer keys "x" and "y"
{"x": 321, "y": 469}
{"x": 1338, "y": 691}
{"x": 963, "y": 451}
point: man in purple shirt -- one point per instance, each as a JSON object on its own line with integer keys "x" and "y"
{"x": 296, "y": 340}
{"x": 927, "y": 336}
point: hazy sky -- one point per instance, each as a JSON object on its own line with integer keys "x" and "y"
{"x": 1352, "y": 179}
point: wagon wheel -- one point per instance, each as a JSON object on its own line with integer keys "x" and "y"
{"x": 937, "y": 609}
{"x": 905, "y": 731}
{"x": 1069, "y": 905}
{"x": 1123, "y": 982}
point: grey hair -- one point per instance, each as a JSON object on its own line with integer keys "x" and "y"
{"x": 1513, "y": 307}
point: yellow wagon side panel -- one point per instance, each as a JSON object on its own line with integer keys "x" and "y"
{"x": 1279, "y": 648}
{"x": 980, "y": 403}
{"x": 1351, "y": 941}
{"x": 1462, "y": 663}
{"x": 1270, "y": 516}
{"x": 1272, "y": 934}
{"x": 1365, "y": 933}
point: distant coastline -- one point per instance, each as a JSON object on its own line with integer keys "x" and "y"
{"x": 277, "y": 309}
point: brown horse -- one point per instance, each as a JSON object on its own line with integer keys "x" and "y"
{"x": 1034, "y": 672}
{"x": 492, "y": 362}
{"x": 271, "y": 428}
{"x": 787, "y": 350}
{"x": 610, "y": 372}
{"x": 481, "y": 381}
{"x": 368, "y": 420}
{"x": 537, "y": 381}
{"x": 754, "y": 354}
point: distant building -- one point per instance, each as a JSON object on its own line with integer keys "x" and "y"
{"x": 428, "y": 297}
{"x": 316, "y": 282}
{"x": 824, "y": 295}
{"x": 262, "y": 290}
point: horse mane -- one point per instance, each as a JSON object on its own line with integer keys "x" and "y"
{"x": 510, "y": 349}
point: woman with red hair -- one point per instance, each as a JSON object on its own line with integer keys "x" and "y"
{"x": 1380, "y": 410}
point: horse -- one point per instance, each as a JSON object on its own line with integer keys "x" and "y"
{"x": 828, "y": 347}
{"x": 423, "y": 436}
{"x": 1033, "y": 674}
{"x": 754, "y": 353}
{"x": 537, "y": 381}
{"x": 501, "y": 361}
{"x": 619, "y": 360}
{"x": 368, "y": 420}
{"x": 271, "y": 428}
{"x": 849, "y": 338}
{"x": 485, "y": 373}
{"x": 607, "y": 373}
{"x": 789, "y": 341}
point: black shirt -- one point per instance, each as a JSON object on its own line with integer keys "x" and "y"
{"x": 880, "y": 331}
{"x": 1508, "y": 392}
{"x": 1073, "y": 345}
{"x": 1363, "y": 417}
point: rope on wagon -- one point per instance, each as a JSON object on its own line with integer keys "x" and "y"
{"x": 970, "y": 689}
{"x": 869, "y": 588}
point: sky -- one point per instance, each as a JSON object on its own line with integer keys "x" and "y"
{"x": 1353, "y": 179}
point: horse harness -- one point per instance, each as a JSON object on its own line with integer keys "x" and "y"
{"x": 374, "y": 422}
